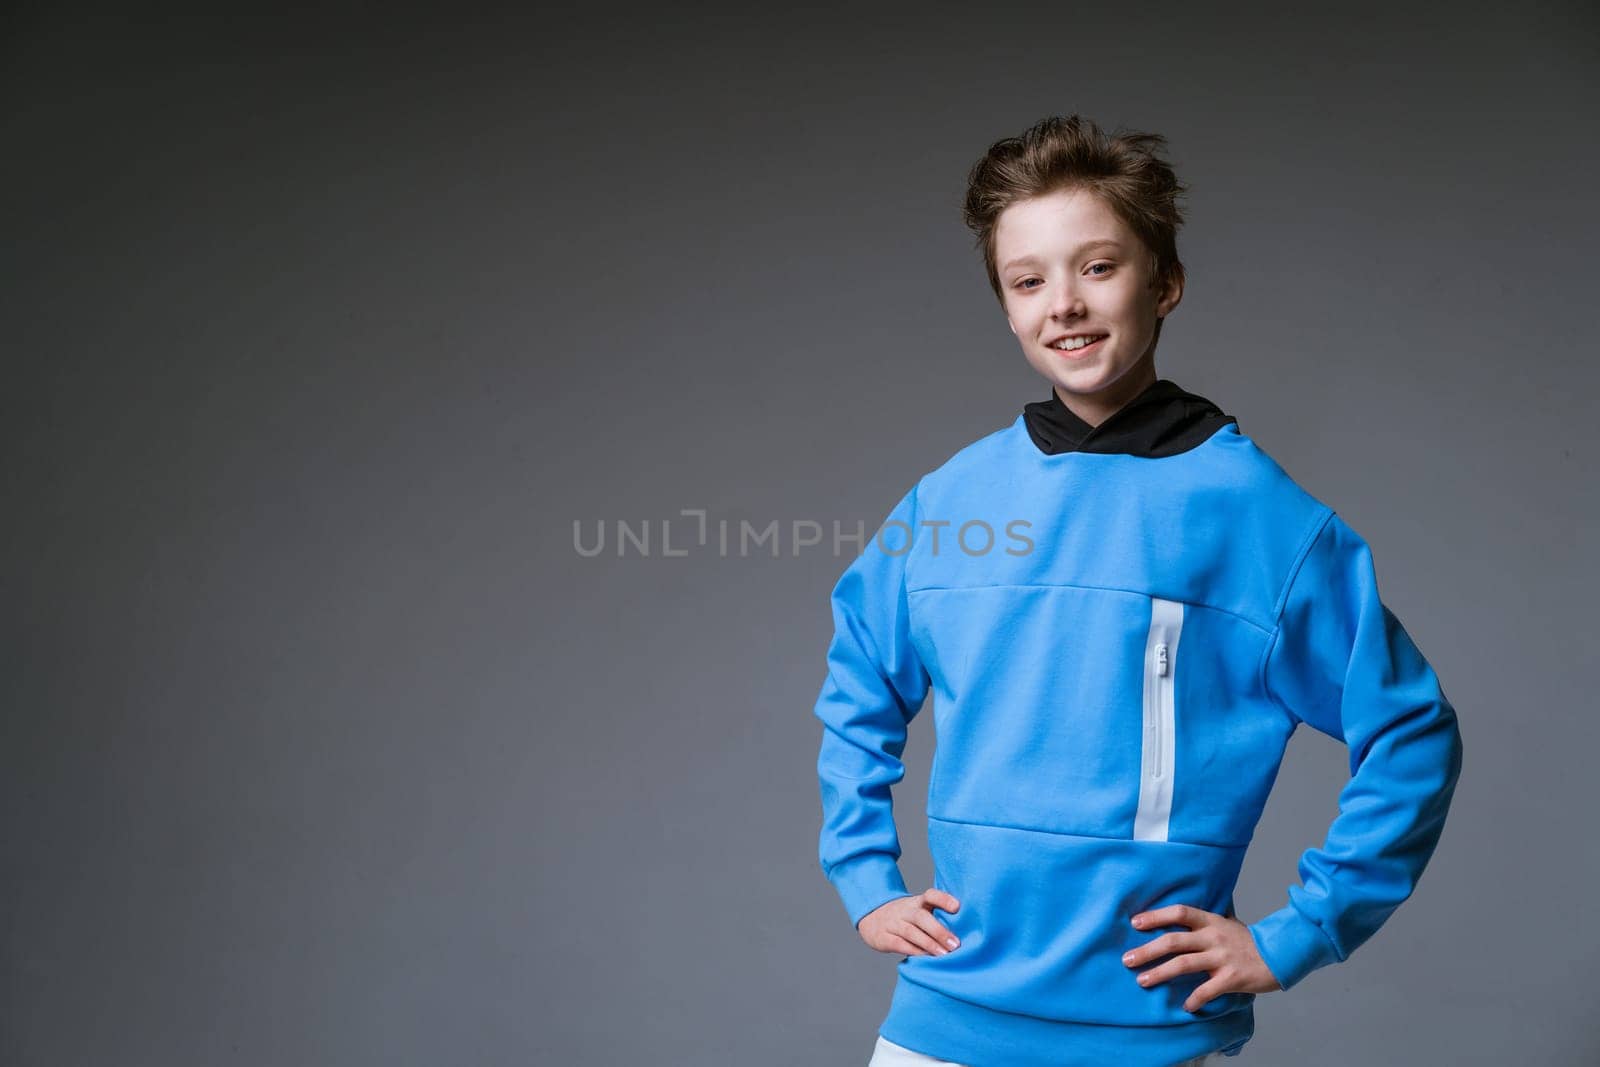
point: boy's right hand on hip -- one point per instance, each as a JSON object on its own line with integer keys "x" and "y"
{"x": 906, "y": 925}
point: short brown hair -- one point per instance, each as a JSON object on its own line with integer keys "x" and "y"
{"x": 1070, "y": 152}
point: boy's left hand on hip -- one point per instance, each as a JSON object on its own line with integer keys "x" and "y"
{"x": 1217, "y": 944}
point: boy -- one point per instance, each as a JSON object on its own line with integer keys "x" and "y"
{"x": 1116, "y": 682}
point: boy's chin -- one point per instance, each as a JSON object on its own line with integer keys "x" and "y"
{"x": 1089, "y": 380}
{"x": 1084, "y": 381}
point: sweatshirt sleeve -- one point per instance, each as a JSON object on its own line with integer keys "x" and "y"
{"x": 1342, "y": 663}
{"x": 875, "y": 686}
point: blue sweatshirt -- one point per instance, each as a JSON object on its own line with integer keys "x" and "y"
{"x": 1121, "y": 626}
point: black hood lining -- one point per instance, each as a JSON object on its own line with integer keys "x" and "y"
{"x": 1163, "y": 420}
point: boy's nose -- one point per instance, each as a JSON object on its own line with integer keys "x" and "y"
{"x": 1068, "y": 304}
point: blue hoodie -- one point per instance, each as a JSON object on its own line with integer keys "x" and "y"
{"x": 1121, "y": 627}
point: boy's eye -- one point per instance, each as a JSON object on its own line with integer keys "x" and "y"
{"x": 1023, "y": 284}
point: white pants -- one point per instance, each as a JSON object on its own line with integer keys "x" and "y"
{"x": 888, "y": 1054}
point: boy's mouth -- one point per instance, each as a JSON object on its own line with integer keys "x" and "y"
{"x": 1073, "y": 347}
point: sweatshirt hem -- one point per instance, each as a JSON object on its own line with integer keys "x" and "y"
{"x": 949, "y": 1028}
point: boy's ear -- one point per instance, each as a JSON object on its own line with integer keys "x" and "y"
{"x": 1170, "y": 296}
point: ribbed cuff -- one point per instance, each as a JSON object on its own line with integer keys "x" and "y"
{"x": 867, "y": 882}
{"x": 1291, "y": 945}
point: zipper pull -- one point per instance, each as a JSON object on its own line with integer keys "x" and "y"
{"x": 1161, "y": 659}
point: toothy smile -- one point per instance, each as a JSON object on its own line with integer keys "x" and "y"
{"x": 1077, "y": 341}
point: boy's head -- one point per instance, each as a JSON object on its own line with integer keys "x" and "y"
{"x": 1036, "y": 203}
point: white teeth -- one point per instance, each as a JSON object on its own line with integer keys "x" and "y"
{"x": 1071, "y": 343}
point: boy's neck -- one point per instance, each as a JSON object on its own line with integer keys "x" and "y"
{"x": 1097, "y": 409}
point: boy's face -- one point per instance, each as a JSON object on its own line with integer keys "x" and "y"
{"x": 1070, "y": 267}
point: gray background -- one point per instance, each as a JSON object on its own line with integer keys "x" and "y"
{"x": 323, "y": 744}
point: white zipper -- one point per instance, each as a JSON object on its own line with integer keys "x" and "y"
{"x": 1160, "y": 726}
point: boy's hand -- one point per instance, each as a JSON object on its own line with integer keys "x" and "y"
{"x": 1217, "y": 944}
{"x": 906, "y": 925}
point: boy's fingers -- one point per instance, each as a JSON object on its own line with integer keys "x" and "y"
{"x": 1173, "y": 915}
{"x": 925, "y": 944}
{"x": 1205, "y": 994}
{"x": 937, "y": 931}
{"x": 901, "y": 945}
{"x": 1164, "y": 945}
{"x": 1187, "y": 963}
